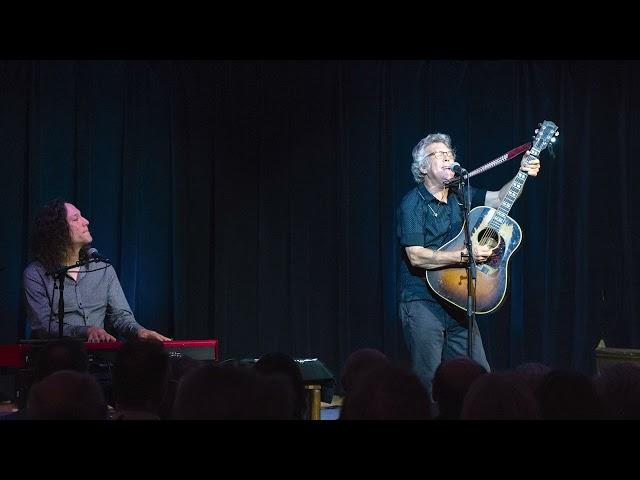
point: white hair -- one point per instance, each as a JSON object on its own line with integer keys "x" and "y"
{"x": 420, "y": 158}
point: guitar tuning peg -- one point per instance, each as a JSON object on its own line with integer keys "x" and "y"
{"x": 557, "y": 133}
{"x": 553, "y": 140}
{"x": 536, "y": 131}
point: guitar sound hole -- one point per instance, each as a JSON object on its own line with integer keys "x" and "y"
{"x": 488, "y": 237}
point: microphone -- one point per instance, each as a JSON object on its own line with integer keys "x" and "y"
{"x": 94, "y": 256}
{"x": 457, "y": 169}
{"x": 460, "y": 175}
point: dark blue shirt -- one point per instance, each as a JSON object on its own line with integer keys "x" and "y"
{"x": 424, "y": 221}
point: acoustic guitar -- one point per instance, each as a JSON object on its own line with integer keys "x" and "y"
{"x": 495, "y": 229}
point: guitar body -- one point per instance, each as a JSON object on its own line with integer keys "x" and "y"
{"x": 492, "y": 275}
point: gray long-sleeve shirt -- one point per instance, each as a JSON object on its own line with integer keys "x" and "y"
{"x": 94, "y": 299}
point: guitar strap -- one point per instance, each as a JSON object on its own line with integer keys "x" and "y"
{"x": 501, "y": 159}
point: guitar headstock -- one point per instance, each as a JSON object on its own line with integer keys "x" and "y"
{"x": 544, "y": 135}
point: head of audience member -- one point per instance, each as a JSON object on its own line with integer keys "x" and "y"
{"x": 618, "y": 386}
{"x": 181, "y": 365}
{"x": 140, "y": 375}
{"x": 65, "y": 353}
{"x": 67, "y": 395}
{"x": 568, "y": 395}
{"x": 451, "y": 383}
{"x": 532, "y": 374}
{"x": 232, "y": 392}
{"x": 357, "y": 365}
{"x": 387, "y": 392}
{"x": 499, "y": 396}
{"x": 283, "y": 364}
{"x": 178, "y": 367}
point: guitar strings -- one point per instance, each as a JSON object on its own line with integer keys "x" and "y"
{"x": 491, "y": 231}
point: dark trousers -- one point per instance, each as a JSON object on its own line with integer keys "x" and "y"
{"x": 433, "y": 335}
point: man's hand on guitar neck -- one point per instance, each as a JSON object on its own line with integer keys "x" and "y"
{"x": 530, "y": 164}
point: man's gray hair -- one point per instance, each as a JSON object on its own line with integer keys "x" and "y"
{"x": 420, "y": 158}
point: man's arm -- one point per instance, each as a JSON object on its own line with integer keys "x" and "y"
{"x": 411, "y": 237}
{"x": 121, "y": 316}
{"x": 119, "y": 312}
{"x": 428, "y": 259}
{"x": 529, "y": 164}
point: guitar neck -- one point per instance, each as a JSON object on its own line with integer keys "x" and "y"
{"x": 508, "y": 200}
{"x": 512, "y": 195}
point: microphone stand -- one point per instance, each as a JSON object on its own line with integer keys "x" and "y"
{"x": 59, "y": 276}
{"x": 460, "y": 185}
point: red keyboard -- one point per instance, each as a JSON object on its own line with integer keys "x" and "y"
{"x": 16, "y": 355}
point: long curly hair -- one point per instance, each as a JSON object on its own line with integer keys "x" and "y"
{"x": 50, "y": 238}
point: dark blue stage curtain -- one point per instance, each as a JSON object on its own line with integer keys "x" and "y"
{"x": 254, "y": 201}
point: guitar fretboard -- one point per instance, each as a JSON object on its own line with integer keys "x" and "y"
{"x": 514, "y": 192}
{"x": 507, "y": 202}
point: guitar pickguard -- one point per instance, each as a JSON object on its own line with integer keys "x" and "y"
{"x": 505, "y": 235}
